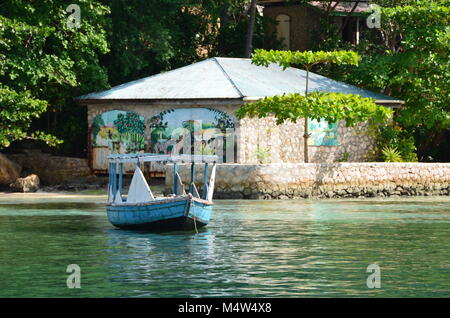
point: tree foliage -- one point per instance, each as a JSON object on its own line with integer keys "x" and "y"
{"x": 44, "y": 62}
{"x": 408, "y": 58}
{"x": 305, "y": 59}
{"x": 317, "y": 105}
{"x": 419, "y": 63}
{"x": 332, "y": 107}
{"x": 118, "y": 41}
{"x": 148, "y": 37}
{"x": 16, "y": 112}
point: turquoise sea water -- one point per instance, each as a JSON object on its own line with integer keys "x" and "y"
{"x": 305, "y": 248}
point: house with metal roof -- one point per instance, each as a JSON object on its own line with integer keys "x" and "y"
{"x": 298, "y": 22}
{"x": 192, "y": 110}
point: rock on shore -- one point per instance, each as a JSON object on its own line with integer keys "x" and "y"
{"x": 9, "y": 171}
{"x": 27, "y": 184}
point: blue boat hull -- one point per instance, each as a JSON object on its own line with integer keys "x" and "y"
{"x": 179, "y": 213}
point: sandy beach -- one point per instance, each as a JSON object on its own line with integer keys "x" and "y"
{"x": 50, "y": 195}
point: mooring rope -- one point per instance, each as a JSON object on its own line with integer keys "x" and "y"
{"x": 195, "y": 225}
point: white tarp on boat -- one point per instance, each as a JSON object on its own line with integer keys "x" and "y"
{"x": 194, "y": 191}
{"x": 118, "y": 199}
{"x": 139, "y": 189}
{"x": 180, "y": 186}
{"x": 212, "y": 180}
{"x": 110, "y": 196}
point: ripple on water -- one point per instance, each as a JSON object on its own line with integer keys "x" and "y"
{"x": 251, "y": 248}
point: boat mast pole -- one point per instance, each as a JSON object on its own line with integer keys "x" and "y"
{"x": 205, "y": 181}
{"x": 191, "y": 187}
{"x": 114, "y": 177}
{"x": 175, "y": 178}
{"x": 109, "y": 179}
{"x": 120, "y": 179}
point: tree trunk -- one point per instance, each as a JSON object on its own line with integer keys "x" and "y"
{"x": 250, "y": 28}
{"x": 347, "y": 18}
{"x": 306, "y": 132}
{"x": 224, "y": 21}
{"x": 306, "y": 137}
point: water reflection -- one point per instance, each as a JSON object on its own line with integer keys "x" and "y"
{"x": 155, "y": 259}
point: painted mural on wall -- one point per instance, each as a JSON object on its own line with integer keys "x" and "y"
{"x": 322, "y": 133}
{"x": 187, "y": 130}
{"x": 119, "y": 131}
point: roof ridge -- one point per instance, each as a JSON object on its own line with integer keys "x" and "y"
{"x": 228, "y": 77}
{"x": 225, "y": 78}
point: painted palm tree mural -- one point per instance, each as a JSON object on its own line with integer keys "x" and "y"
{"x": 130, "y": 128}
{"x": 116, "y": 131}
{"x": 191, "y": 130}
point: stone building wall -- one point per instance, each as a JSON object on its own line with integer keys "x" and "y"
{"x": 356, "y": 141}
{"x": 282, "y": 143}
{"x": 305, "y": 180}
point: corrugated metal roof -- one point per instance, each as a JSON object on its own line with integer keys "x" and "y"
{"x": 336, "y": 8}
{"x": 226, "y": 78}
{"x": 353, "y": 7}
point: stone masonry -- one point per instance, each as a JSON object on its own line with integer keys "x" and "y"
{"x": 284, "y": 142}
{"x": 334, "y": 180}
{"x": 52, "y": 170}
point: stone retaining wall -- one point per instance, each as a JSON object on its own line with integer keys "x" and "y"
{"x": 52, "y": 170}
{"x": 304, "y": 180}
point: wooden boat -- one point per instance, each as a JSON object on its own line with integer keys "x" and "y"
{"x": 140, "y": 210}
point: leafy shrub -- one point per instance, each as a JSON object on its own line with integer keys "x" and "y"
{"x": 263, "y": 154}
{"x": 394, "y": 137}
{"x": 391, "y": 154}
{"x": 344, "y": 158}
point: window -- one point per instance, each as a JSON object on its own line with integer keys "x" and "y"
{"x": 284, "y": 30}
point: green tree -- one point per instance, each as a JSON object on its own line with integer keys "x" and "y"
{"x": 408, "y": 58}
{"x": 151, "y": 36}
{"x": 44, "y": 62}
{"x": 250, "y": 29}
{"x": 147, "y": 37}
{"x": 16, "y": 112}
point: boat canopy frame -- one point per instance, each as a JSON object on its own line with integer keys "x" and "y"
{"x": 117, "y": 161}
{"x": 152, "y": 157}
